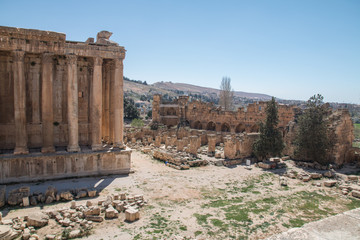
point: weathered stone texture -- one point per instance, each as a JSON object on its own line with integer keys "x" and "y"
{"x": 206, "y": 116}
{"x": 59, "y": 91}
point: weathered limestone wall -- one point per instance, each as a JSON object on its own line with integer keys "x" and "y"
{"x": 206, "y": 116}
{"x": 52, "y": 166}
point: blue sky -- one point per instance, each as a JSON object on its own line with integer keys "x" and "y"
{"x": 287, "y": 49}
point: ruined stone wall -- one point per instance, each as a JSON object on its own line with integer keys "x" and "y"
{"x": 206, "y": 116}
{"x": 341, "y": 133}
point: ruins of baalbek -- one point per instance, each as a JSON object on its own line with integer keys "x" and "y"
{"x": 206, "y": 116}
{"x": 60, "y": 100}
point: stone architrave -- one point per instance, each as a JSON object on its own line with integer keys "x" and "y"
{"x": 96, "y": 105}
{"x": 72, "y": 100}
{"x": 19, "y": 103}
{"x": 47, "y": 103}
{"x": 118, "y": 104}
{"x": 211, "y": 144}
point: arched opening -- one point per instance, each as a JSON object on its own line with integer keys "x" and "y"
{"x": 211, "y": 126}
{"x": 197, "y": 125}
{"x": 240, "y": 128}
{"x": 225, "y": 127}
{"x": 171, "y": 112}
{"x": 254, "y": 128}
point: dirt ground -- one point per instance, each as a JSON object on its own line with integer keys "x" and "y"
{"x": 208, "y": 202}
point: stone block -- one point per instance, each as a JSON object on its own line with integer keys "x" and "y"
{"x": 329, "y": 174}
{"x": 81, "y": 194}
{"x": 51, "y": 191}
{"x": 217, "y": 154}
{"x": 91, "y": 192}
{"x": 275, "y": 159}
{"x": 330, "y": 183}
{"x": 94, "y": 210}
{"x": 26, "y": 201}
{"x": 74, "y": 234}
{"x": 66, "y": 196}
{"x": 37, "y": 219}
{"x": 111, "y": 213}
{"x": 16, "y": 196}
{"x": 94, "y": 218}
{"x": 316, "y": 175}
{"x": 355, "y": 194}
{"x": 132, "y": 214}
{"x": 267, "y": 165}
{"x": 306, "y": 178}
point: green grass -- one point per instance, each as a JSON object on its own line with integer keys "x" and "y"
{"x": 202, "y": 218}
{"x": 355, "y": 203}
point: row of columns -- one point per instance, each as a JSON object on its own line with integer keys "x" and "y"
{"x": 96, "y": 102}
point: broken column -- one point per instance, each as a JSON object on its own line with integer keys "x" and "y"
{"x": 230, "y": 147}
{"x": 211, "y": 144}
{"x": 157, "y": 141}
{"x": 193, "y": 147}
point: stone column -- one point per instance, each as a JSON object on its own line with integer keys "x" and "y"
{"x": 230, "y": 147}
{"x": 47, "y": 103}
{"x": 72, "y": 103}
{"x": 19, "y": 103}
{"x": 106, "y": 103}
{"x": 211, "y": 144}
{"x": 193, "y": 147}
{"x": 96, "y": 105}
{"x": 118, "y": 104}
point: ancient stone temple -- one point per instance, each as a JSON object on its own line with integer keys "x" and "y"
{"x": 58, "y": 95}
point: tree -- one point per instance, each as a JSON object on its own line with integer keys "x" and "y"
{"x": 130, "y": 110}
{"x": 312, "y": 140}
{"x": 271, "y": 142}
{"x": 226, "y": 94}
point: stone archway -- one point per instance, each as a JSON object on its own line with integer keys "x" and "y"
{"x": 211, "y": 126}
{"x": 197, "y": 125}
{"x": 240, "y": 128}
{"x": 225, "y": 127}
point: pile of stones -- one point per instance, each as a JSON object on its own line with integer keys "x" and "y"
{"x": 22, "y": 196}
{"x": 76, "y": 221}
{"x": 178, "y": 160}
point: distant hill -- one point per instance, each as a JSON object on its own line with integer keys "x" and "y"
{"x": 189, "y": 88}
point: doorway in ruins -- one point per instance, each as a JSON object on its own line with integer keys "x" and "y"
{"x": 225, "y": 127}
{"x": 211, "y": 126}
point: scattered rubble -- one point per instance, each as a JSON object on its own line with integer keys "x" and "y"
{"x": 76, "y": 220}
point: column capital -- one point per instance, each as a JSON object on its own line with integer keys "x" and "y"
{"x": 98, "y": 61}
{"x": 71, "y": 58}
{"x": 18, "y": 55}
{"x": 47, "y": 57}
